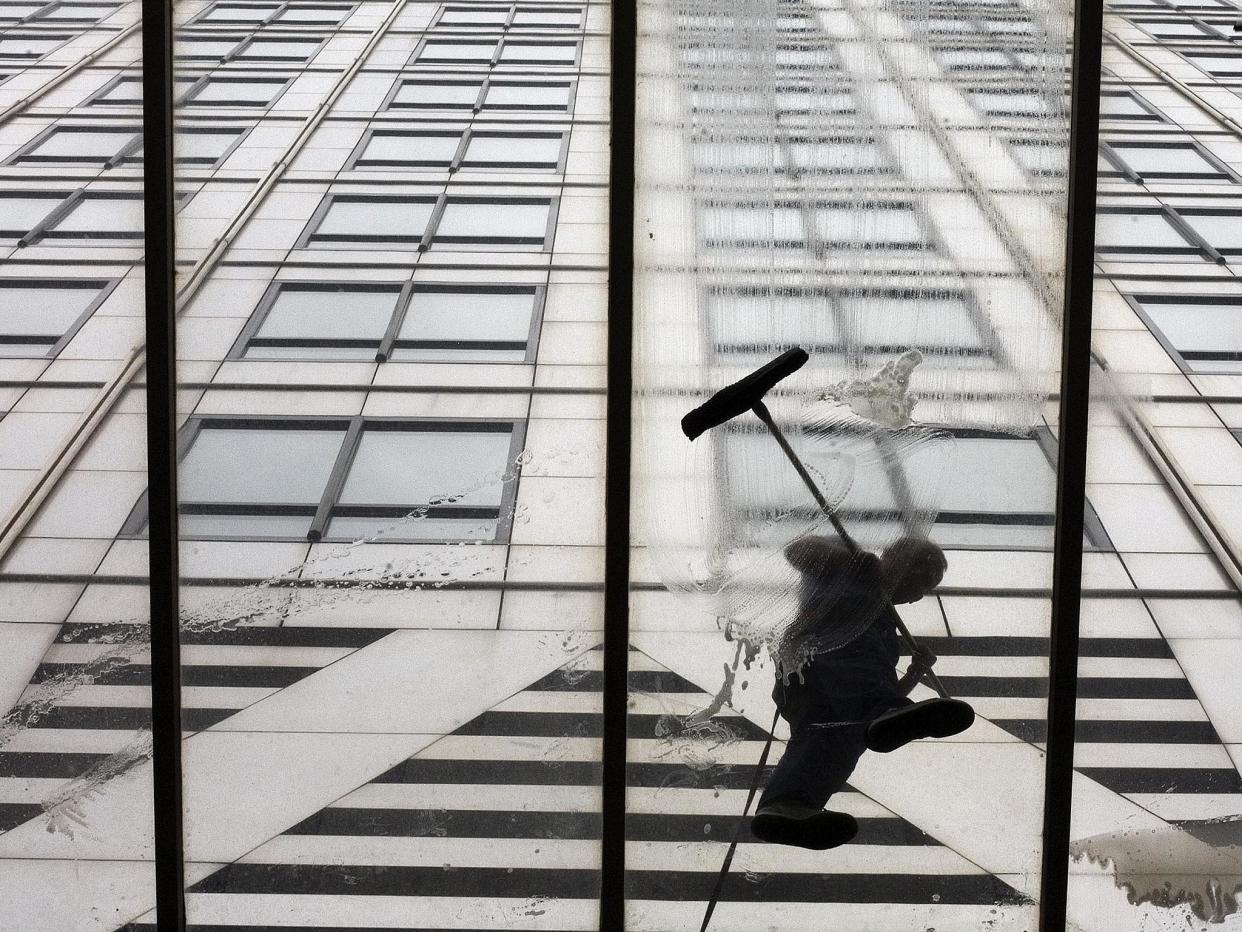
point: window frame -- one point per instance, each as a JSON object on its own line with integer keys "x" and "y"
{"x": 509, "y": 21}
{"x": 405, "y": 294}
{"x": 1196, "y": 245}
{"x": 353, "y": 427}
{"x": 105, "y": 288}
{"x": 26, "y": 154}
{"x": 485, "y": 84}
{"x": 309, "y": 237}
{"x": 1152, "y": 114}
{"x": 1116, "y": 156}
{"x": 496, "y": 59}
{"x": 457, "y": 162}
{"x": 1095, "y": 537}
{"x": 1136, "y": 301}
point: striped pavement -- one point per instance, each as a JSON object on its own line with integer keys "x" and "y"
{"x": 497, "y": 825}
{"x": 222, "y": 672}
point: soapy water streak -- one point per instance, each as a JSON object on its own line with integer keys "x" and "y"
{"x": 1197, "y": 866}
{"x": 127, "y": 641}
{"x": 889, "y": 483}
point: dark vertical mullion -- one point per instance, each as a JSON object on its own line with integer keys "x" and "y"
{"x": 1071, "y": 463}
{"x": 622, "y": 79}
{"x": 159, "y": 218}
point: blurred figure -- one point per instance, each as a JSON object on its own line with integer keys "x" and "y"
{"x": 847, "y": 699}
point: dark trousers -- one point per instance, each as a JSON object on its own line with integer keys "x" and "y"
{"x": 828, "y": 712}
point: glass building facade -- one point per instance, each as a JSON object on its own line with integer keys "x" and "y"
{"x": 392, "y": 273}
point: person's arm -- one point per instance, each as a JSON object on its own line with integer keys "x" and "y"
{"x": 818, "y": 556}
{"x": 922, "y": 661}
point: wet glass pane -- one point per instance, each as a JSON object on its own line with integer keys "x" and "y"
{"x": 797, "y": 186}
{"x": 76, "y": 841}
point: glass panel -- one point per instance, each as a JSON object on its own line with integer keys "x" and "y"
{"x": 80, "y": 145}
{"x": 407, "y": 149}
{"x": 76, "y": 843}
{"x": 391, "y": 516}
{"x": 395, "y": 220}
{"x": 436, "y": 314}
{"x": 527, "y": 150}
{"x": 1121, "y": 232}
{"x": 414, "y": 468}
{"x": 316, "y": 317}
{"x": 808, "y": 193}
{"x": 498, "y": 222}
{"x": 1166, "y": 160}
{"x": 542, "y": 96}
{"x": 436, "y": 94}
{"x": 1223, "y": 229}
{"x": 256, "y": 465}
{"x": 101, "y": 218}
{"x": 34, "y": 315}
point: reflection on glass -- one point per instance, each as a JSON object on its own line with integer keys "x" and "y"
{"x": 391, "y": 466}
{"x": 869, "y": 553}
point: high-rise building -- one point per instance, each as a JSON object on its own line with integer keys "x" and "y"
{"x": 392, "y": 252}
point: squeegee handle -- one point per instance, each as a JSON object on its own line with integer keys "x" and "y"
{"x": 762, "y": 412}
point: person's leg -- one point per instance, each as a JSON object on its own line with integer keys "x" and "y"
{"x": 931, "y": 718}
{"x": 827, "y": 736}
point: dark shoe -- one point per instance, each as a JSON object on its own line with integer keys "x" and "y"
{"x": 931, "y": 718}
{"x": 802, "y": 826}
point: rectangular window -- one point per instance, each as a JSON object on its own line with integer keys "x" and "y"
{"x": 84, "y": 14}
{"x": 1126, "y": 105}
{"x": 455, "y": 51}
{"x": 1011, "y": 103}
{"x": 126, "y": 91}
{"x": 1202, "y": 332}
{"x": 30, "y": 46}
{"x": 469, "y": 324}
{"x": 1122, "y": 232}
{"x": 1166, "y": 160}
{"x": 280, "y": 50}
{"x": 38, "y": 317}
{"x": 514, "y": 150}
{"x": 322, "y": 321}
{"x": 100, "y": 217}
{"x": 947, "y": 328}
{"x": 495, "y": 223}
{"x": 16, "y": 12}
{"x": 1222, "y": 66}
{"x": 242, "y": 14}
{"x": 459, "y": 323}
{"x": 343, "y": 479}
{"x": 436, "y": 95}
{"x": 218, "y": 91}
{"x": 19, "y": 214}
{"x": 371, "y": 219}
{"x": 385, "y": 148}
{"x": 1221, "y": 227}
{"x": 539, "y": 53}
{"x": 206, "y": 49}
{"x": 205, "y": 145}
{"x": 1041, "y": 158}
{"x": 314, "y": 15}
{"x": 839, "y": 156}
{"x": 532, "y": 95}
{"x": 1170, "y": 28}
{"x": 61, "y": 145}
{"x": 488, "y": 16}
{"x": 548, "y": 18}
{"x": 987, "y": 491}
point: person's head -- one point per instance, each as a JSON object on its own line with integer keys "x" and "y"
{"x": 913, "y": 566}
